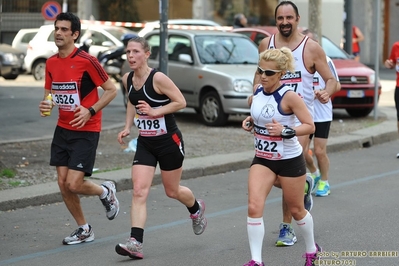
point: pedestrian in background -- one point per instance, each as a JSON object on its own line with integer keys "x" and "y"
{"x": 393, "y": 62}
{"x": 153, "y": 98}
{"x": 357, "y": 37}
{"x": 278, "y": 153}
{"x": 72, "y": 77}
{"x": 310, "y": 58}
{"x": 323, "y": 116}
{"x": 240, "y": 21}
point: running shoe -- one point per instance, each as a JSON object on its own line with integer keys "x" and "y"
{"x": 397, "y": 155}
{"x": 316, "y": 179}
{"x": 323, "y": 190}
{"x": 308, "y": 199}
{"x": 254, "y": 263}
{"x": 199, "y": 220}
{"x": 287, "y": 236}
{"x": 79, "y": 236}
{"x": 133, "y": 249}
{"x": 110, "y": 202}
{"x": 311, "y": 258}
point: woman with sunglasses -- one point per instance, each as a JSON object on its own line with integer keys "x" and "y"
{"x": 278, "y": 153}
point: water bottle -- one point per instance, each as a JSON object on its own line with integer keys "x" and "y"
{"x": 49, "y": 99}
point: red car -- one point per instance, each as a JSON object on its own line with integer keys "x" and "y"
{"x": 357, "y": 80}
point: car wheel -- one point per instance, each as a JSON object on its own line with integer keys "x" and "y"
{"x": 10, "y": 76}
{"x": 38, "y": 70}
{"x": 124, "y": 93}
{"x": 359, "y": 112}
{"x": 212, "y": 110}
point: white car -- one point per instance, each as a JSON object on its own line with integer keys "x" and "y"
{"x": 213, "y": 69}
{"x": 22, "y": 39}
{"x": 149, "y": 26}
{"x": 42, "y": 46}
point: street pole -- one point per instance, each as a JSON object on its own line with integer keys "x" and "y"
{"x": 348, "y": 26}
{"x": 65, "y": 6}
{"x": 377, "y": 24}
{"x": 1, "y": 19}
{"x": 163, "y": 45}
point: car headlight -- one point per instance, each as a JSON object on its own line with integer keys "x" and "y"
{"x": 241, "y": 85}
{"x": 10, "y": 58}
{"x": 372, "y": 78}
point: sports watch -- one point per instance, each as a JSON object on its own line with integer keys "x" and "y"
{"x": 287, "y": 132}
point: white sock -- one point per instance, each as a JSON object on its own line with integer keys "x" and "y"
{"x": 305, "y": 226}
{"x": 85, "y": 227}
{"x": 316, "y": 173}
{"x": 105, "y": 192}
{"x": 256, "y": 232}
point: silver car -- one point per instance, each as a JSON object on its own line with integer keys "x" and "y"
{"x": 213, "y": 69}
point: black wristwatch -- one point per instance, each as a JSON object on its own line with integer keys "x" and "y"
{"x": 287, "y": 132}
{"x": 92, "y": 111}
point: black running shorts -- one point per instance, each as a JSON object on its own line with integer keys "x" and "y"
{"x": 168, "y": 151}
{"x": 294, "y": 167}
{"x": 74, "y": 149}
{"x": 322, "y": 130}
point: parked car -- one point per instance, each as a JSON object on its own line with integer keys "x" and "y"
{"x": 214, "y": 70}
{"x": 149, "y": 26}
{"x": 11, "y": 62}
{"x": 42, "y": 46}
{"x": 357, "y": 80}
{"x": 22, "y": 39}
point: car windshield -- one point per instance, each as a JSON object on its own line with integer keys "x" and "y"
{"x": 332, "y": 50}
{"x": 215, "y": 49}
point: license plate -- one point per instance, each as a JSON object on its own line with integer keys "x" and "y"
{"x": 355, "y": 94}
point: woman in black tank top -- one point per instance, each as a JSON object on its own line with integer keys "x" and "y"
{"x": 153, "y": 98}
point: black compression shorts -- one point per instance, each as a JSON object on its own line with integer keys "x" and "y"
{"x": 322, "y": 130}
{"x": 169, "y": 152}
{"x": 294, "y": 167}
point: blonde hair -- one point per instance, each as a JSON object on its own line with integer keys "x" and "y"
{"x": 283, "y": 58}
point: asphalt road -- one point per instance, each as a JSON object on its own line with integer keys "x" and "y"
{"x": 360, "y": 215}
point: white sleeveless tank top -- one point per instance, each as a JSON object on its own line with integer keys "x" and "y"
{"x": 264, "y": 108}
{"x": 302, "y": 80}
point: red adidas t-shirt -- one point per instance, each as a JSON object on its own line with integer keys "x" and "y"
{"x": 395, "y": 58}
{"x": 73, "y": 81}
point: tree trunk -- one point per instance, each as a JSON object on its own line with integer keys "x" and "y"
{"x": 315, "y": 18}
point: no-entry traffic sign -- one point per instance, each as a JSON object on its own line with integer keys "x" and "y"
{"x": 50, "y": 10}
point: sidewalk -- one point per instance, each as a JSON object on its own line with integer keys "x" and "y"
{"x": 196, "y": 167}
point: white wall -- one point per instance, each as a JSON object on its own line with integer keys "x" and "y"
{"x": 332, "y": 14}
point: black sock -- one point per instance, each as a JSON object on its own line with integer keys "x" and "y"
{"x": 137, "y": 233}
{"x": 194, "y": 208}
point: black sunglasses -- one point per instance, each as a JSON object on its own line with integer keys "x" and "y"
{"x": 268, "y": 72}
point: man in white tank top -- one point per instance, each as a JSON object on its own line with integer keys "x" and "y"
{"x": 323, "y": 116}
{"x": 309, "y": 58}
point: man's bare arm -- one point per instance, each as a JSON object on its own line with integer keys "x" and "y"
{"x": 326, "y": 72}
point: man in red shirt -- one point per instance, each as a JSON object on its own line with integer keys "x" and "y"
{"x": 72, "y": 78}
{"x": 393, "y": 62}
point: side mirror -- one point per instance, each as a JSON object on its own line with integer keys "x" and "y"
{"x": 185, "y": 58}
